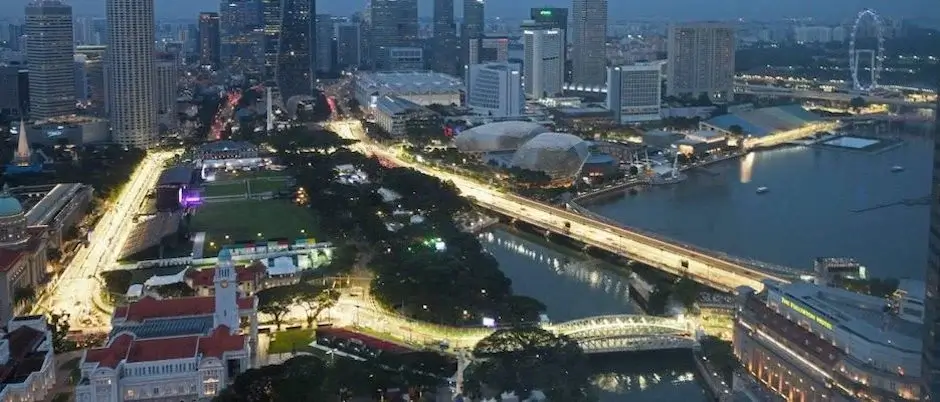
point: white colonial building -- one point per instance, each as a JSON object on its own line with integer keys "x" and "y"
{"x": 27, "y": 360}
{"x": 185, "y": 349}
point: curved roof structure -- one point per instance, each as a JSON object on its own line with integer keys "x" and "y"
{"x": 559, "y": 155}
{"x": 9, "y": 206}
{"x": 501, "y": 136}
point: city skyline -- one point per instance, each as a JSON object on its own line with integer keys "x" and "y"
{"x": 685, "y": 10}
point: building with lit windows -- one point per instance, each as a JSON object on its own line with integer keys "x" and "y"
{"x": 398, "y": 116}
{"x": 544, "y": 62}
{"x": 210, "y": 40}
{"x": 495, "y": 89}
{"x": 404, "y": 59}
{"x": 22, "y": 253}
{"x": 50, "y": 52}
{"x": 589, "y": 42}
{"x": 131, "y": 92}
{"x": 701, "y": 60}
{"x": 634, "y": 93}
{"x": 348, "y": 46}
{"x": 174, "y": 349}
{"x": 815, "y": 343}
{"x": 296, "y": 59}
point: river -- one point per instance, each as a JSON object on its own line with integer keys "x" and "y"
{"x": 572, "y": 286}
{"x": 809, "y": 210}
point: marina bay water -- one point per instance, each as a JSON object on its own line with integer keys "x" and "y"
{"x": 572, "y": 286}
{"x": 819, "y": 202}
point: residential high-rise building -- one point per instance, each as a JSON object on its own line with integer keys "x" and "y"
{"x": 271, "y": 18}
{"x": 543, "y": 64}
{"x": 50, "y": 53}
{"x": 495, "y": 89}
{"x": 634, "y": 93}
{"x": 444, "y": 52}
{"x": 129, "y": 70}
{"x": 242, "y": 36}
{"x": 210, "y": 41}
{"x": 701, "y": 60}
{"x": 348, "y": 49}
{"x": 297, "y": 55}
{"x": 393, "y": 23}
{"x": 472, "y": 27}
{"x": 589, "y": 47}
{"x": 324, "y": 27}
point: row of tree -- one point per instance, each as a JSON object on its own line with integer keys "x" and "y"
{"x": 312, "y": 298}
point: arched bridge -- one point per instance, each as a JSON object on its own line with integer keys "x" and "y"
{"x": 628, "y": 333}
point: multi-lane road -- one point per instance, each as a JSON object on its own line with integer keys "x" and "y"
{"x": 674, "y": 258}
{"x": 72, "y": 293}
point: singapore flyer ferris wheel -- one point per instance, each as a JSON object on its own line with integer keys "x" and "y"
{"x": 875, "y": 56}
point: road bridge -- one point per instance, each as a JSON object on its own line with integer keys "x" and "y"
{"x": 707, "y": 268}
{"x": 769, "y": 90}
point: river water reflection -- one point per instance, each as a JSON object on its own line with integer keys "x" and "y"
{"x": 574, "y": 286}
{"x": 811, "y": 208}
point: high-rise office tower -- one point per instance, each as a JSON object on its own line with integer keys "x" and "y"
{"x": 271, "y": 18}
{"x": 589, "y": 47}
{"x": 324, "y": 28}
{"x": 557, "y": 18}
{"x": 495, "y": 89}
{"x": 348, "y": 49}
{"x": 296, "y": 60}
{"x": 444, "y": 55}
{"x": 210, "y": 41}
{"x": 242, "y": 34}
{"x": 129, "y": 70}
{"x": 393, "y": 23}
{"x": 94, "y": 59}
{"x": 701, "y": 60}
{"x": 543, "y": 65}
{"x": 634, "y": 93}
{"x": 489, "y": 49}
{"x": 472, "y": 27}
{"x": 50, "y": 53}
{"x": 167, "y": 87}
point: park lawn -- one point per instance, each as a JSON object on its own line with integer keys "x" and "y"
{"x": 267, "y": 184}
{"x": 223, "y": 189}
{"x": 290, "y": 340}
{"x": 243, "y": 220}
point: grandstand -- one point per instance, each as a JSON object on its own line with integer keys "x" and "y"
{"x": 150, "y": 232}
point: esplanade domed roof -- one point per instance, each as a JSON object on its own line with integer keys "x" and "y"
{"x": 500, "y": 136}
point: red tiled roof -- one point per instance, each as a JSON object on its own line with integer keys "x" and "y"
{"x": 244, "y": 273}
{"x": 111, "y": 355}
{"x": 796, "y": 335}
{"x": 221, "y": 340}
{"x": 150, "y": 350}
{"x": 149, "y": 307}
{"x": 125, "y": 347}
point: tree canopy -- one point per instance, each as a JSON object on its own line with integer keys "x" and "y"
{"x": 525, "y": 359}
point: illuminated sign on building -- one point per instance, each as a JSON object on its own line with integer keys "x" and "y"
{"x": 806, "y": 313}
{"x": 546, "y": 13}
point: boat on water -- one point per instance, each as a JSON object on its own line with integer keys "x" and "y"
{"x": 897, "y": 168}
{"x": 762, "y": 190}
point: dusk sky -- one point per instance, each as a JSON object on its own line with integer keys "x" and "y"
{"x": 619, "y": 9}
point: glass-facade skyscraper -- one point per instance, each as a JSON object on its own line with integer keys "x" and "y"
{"x": 392, "y": 23}
{"x": 589, "y": 37}
{"x": 271, "y": 19}
{"x": 296, "y": 60}
{"x": 444, "y": 58}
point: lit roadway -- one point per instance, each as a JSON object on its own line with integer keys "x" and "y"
{"x": 769, "y": 90}
{"x": 72, "y": 292}
{"x": 673, "y": 258}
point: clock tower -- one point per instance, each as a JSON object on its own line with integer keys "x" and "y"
{"x": 226, "y": 292}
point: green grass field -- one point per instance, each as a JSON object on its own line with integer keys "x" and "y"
{"x": 241, "y": 186}
{"x": 290, "y": 340}
{"x": 243, "y": 221}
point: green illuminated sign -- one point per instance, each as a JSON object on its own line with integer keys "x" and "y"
{"x": 545, "y": 13}
{"x": 806, "y": 313}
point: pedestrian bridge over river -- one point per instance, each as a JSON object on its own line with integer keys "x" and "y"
{"x": 628, "y": 333}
